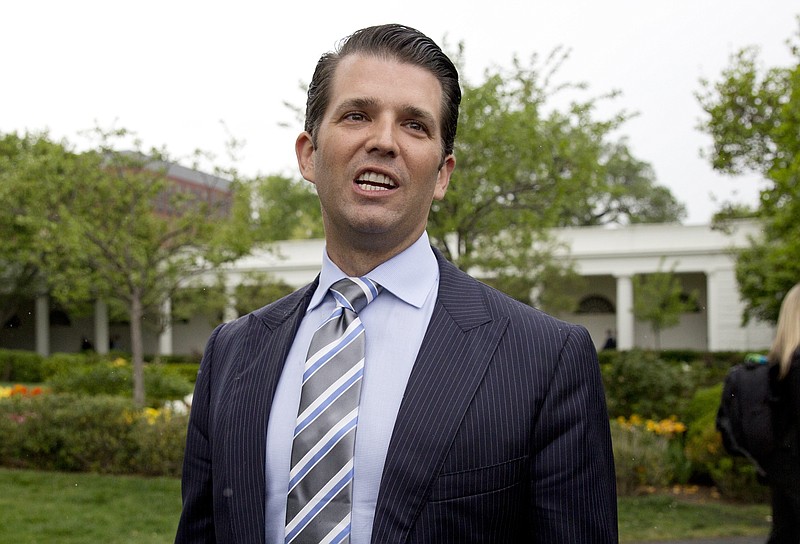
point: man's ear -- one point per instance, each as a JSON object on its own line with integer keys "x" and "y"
{"x": 304, "y": 149}
{"x": 443, "y": 178}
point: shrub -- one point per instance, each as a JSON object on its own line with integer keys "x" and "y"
{"x": 647, "y": 453}
{"x": 640, "y": 382}
{"x": 20, "y": 366}
{"x": 193, "y": 358}
{"x": 57, "y": 362}
{"x": 160, "y": 437}
{"x": 162, "y": 385}
{"x": 64, "y": 432}
{"x": 187, "y": 371}
{"x": 705, "y": 401}
{"x": 733, "y": 476}
{"x": 116, "y": 378}
{"x": 103, "y": 434}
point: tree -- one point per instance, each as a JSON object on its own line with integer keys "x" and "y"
{"x": 753, "y": 118}
{"x": 659, "y": 300}
{"x": 118, "y": 229}
{"x": 525, "y": 165}
{"x": 28, "y": 164}
{"x": 283, "y": 208}
{"x": 257, "y": 290}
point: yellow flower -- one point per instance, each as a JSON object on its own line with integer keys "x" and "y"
{"x": 5, "y": 392}
{"x": 151, "y": 415}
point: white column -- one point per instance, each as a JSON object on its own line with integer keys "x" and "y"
{"x": 713, "y": 307}
{"x": 101, "y": 327}
{"x": 43, "y": 325}
{"x": 230, "y": 313}
{"x": 165, "y": 338}
{"x": 624, "y": 313}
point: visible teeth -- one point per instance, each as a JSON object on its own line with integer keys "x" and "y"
{"x": 373, "y": 181}
{"x": 367, "y": 187}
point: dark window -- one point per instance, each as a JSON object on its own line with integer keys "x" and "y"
{"x": 595, "y": 304}
{"x": 13, "y": 322}
{"x": 59, "y": 318}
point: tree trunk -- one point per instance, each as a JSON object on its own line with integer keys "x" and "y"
{"x": 137, "y": 350}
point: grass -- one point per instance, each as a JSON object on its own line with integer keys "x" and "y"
{"x": 52, "y": 507}
{"x": 666, "y": 517}
{"x": 45, "y": 507}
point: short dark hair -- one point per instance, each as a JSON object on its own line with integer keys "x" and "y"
{"x": 393, "y": 41}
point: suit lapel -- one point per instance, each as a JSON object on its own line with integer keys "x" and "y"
{"x": 248, "y": 399}
{"x": 458, "y": 345}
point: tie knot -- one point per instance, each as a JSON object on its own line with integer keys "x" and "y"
{"x": 355, "y": 293}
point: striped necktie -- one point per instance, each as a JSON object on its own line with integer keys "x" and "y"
{"x": 318, "y": 506}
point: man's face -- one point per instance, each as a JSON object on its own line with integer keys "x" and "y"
{"x": 377, "y": 164}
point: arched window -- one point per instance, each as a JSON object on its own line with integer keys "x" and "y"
{"x": 595, "y": 304}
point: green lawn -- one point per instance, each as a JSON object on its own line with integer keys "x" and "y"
{"x": 51, "y": 507}
{"x": 664, "y": 517}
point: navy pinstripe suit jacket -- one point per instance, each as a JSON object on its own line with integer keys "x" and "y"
{"x": 502, "y": 435}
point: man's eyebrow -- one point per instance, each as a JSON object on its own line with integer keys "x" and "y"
{"x": 418, "y": 113}
{"x": 365, "y": 103}
{"x": 357, "y": 103}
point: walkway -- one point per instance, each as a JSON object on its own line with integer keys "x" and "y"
{"x": 723, "y": 540}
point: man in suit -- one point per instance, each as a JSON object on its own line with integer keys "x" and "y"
{"x": 479, "y": 419}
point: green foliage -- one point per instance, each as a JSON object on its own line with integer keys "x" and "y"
{"x": 57, "y": 362}
{"x": 207, "y": 300}
{"x": 753, "y": 117}
{"x": 524, "y": 268}
{"x": 658, "y": 299}
{"x": 103, "y": 434}
{"x": 65, "y": 433}
{"x": 733, "y": 476}
{"x": 187, "y": 371}
{"x": 111, "y": 225}
{"x": 705, "y": 401}
{"x": 258, "y": 290}
{"x": 526, "y": 165}
{"x": 20, "y": 366}
{"x": 116, "y": 379}
{"x": 29, "y": 165}
{"x": 282, "y": 208}
{"x": 159, "y": 446}
{"x": 642, "y": 458}
{"x": 640, "y": 382}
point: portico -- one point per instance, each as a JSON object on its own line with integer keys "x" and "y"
{"x": 607, "y": 257}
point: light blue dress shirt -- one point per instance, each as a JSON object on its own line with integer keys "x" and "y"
{"x": 395, "y": 323}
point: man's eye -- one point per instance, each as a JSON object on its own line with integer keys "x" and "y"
{"x": 355, "y": 116}
{"x": 414, "y": 125}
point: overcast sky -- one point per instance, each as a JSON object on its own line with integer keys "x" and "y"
{"x": 173, "y": 70}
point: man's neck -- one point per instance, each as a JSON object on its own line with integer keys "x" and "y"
{"x": 358, "y": 261}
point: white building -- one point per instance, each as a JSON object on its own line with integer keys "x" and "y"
{"x": 607, "y": 257}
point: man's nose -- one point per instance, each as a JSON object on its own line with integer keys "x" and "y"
{"x": 382, "y": 137}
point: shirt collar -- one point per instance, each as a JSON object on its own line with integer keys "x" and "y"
{"x": 417, "y": 263}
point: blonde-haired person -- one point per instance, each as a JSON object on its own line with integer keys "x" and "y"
{"x": 783, "y": 467}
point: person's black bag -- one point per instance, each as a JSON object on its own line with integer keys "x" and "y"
{"x": 745, "y": 415}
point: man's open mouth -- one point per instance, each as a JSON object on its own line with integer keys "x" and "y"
{"x": 373, "y": 181}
